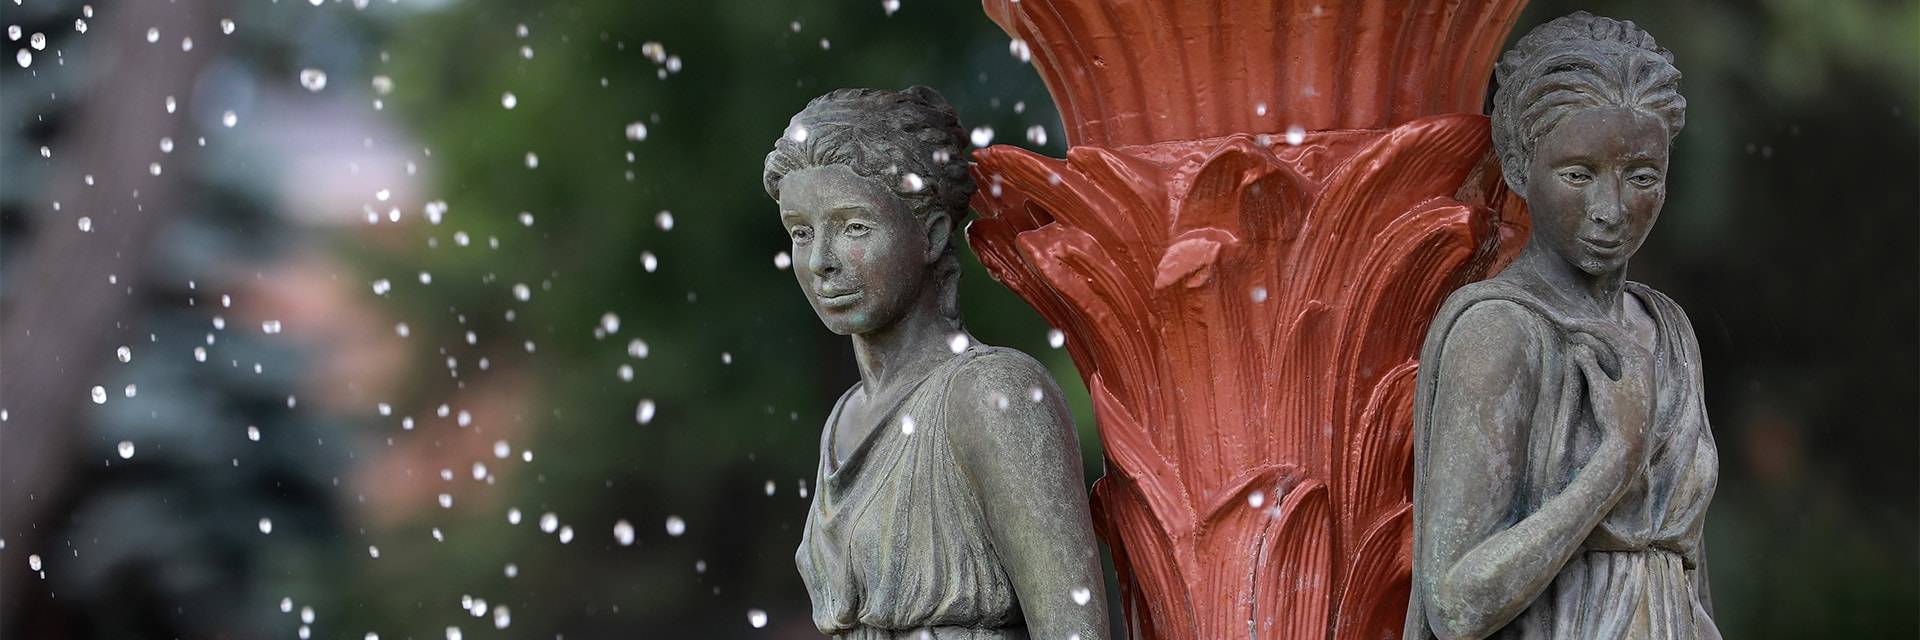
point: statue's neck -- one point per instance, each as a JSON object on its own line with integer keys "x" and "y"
{"x": 1594, "y": 295}
{"x": 903, "y": 352}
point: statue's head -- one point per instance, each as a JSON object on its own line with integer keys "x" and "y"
{"x": 871, "y": 185}
{"x": 1586, "y": 110}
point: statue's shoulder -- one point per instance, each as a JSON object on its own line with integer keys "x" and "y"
{"x": 1003, "y": 393}
{"x": 990, "y": 368}
{"x": 1502, "y": 306}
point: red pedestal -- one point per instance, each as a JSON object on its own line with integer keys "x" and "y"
{"x": 1246, "y": 304}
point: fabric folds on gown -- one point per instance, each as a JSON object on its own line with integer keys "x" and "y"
{"x": 1637, "y": 576}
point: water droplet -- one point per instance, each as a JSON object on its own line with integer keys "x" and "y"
{"x": 757, "y": 618}
{"x": 446, "y": 500}
{"x": 382, "y": 85}
{"x": 512, "y": 570}
{"x": 133, "y": 390}
{"x": 644, "y": 412}
{"x": 126, "y": 449}
{"x": 80, "y": 25}
{"x": 125, "y": 353}
{"x": 782, "y": 261}
{"x": 1256, "y": 499}
{"x": 99, "y": 394}
{"x": 1036, "y": 394}
{"x": 912, "y": 182}
{"x": 382, "y": 286}
{"x": 1037, "y": 135}
{"x": 270, "y": 326}
{"x": 981, "y": 136}
{"x": 1082, "y": 595}
{"x": 906, "y": 424}
{"x": 664, "y": 220}
{"x": 508, "y": 100}
{"x": 676, "y": 526}
{"x": 549, "y": 522}
{"x": 958, "y": 342}
{"x": 769, "y": 487}
{"x": 649, "y": 261}
{"x": 1296, "y": 134}
{"x": 266, "y": 525}
{"x": 286, "y": 605}
{"x": 38, "y": 41}
{"x": 479, "y": 471}
{"x": 226, "y": 26}
{"x": 889, "y": 6}
{"x": 1056, "y": 338}
{"x": 153, "y": 35}
{"x": 373, "y": 551}
{"x": 172, "y": 105}
{"x": 313, "y": 79}
{"x": 33, "y": 562}
{"x": 253, "y": 433}
{"x": 796, "y": 133}
{"x": 24, "y": 57}
{"x": 453, "y": 633}
{"x": 623, "y": 533}
{"x": 533, "y": 160}
{"x": 371, "y": 636}
{"x": 566, "y": 534}
{"x": 636, "y": 131}
{"x": 229, "y": 119}
{"x": 85, "y": 223}
{"x": 501, "y": 617}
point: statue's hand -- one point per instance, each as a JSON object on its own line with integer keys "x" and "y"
{"x": 1621, "y": 395}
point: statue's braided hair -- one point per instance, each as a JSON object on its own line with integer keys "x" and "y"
{"x": 1572, "y": 63}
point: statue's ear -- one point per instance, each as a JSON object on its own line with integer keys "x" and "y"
{"x": 939, "y": 231}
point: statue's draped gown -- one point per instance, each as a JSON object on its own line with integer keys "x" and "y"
{"x": 1639, "y": 574}
{"x": 896, "y": 542}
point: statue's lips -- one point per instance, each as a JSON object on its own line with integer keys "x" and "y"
{"x": 1602, "y": 245}
{"x": 839, "y": 300}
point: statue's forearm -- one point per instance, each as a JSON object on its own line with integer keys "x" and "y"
{"x": 1499, "y": 577}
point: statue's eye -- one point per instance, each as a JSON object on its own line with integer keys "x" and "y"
{"x": 1576, "y": 177}
{"x": 857, "y": 229}
{"x": 801, "y": 233}
{"x": 1644, "y": 180}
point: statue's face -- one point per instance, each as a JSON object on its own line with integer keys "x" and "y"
{"x": 859, "y": 253}
{"x": 1595, "y": 186}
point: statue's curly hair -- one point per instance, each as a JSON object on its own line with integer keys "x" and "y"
{"x": 910, "y": 141}
{"x": 1577, "y": 62}
{"x": 881, "y": 135}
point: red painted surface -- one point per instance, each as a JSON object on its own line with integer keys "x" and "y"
{"x": 1247, "y": 312}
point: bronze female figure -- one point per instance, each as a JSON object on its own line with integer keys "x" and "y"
{"x": 1563, "y": 460}
{"x": 949, "y": 502}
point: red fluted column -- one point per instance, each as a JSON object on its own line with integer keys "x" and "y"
{"x": 1262, "y": 205}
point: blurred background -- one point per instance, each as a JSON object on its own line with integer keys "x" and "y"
{"x": 332, "y": 318}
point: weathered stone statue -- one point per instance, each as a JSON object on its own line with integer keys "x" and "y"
{"x": 949, "y": 502}
{"x": 1563, "y": 461}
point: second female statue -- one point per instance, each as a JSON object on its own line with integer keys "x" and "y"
{"x": 949, "y": 502}
{"x": 1563, "y": 461}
